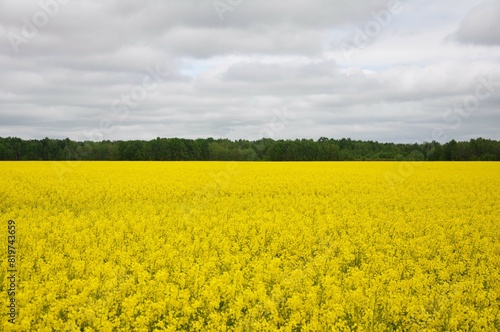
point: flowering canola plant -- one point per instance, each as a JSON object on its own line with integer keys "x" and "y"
{"x": 215, "y": 246}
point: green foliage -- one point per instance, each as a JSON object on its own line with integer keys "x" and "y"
{"x": 265, "y": 149}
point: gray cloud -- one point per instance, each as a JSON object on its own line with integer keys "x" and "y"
{"x": 481, "y": 25}
{"x": 138, "y": 70}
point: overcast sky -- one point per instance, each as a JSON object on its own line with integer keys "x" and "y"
{"x": 401, "y": 71}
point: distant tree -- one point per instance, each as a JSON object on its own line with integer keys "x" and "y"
{"x": 416, "y": 155}
{"x": 323, "y": 149}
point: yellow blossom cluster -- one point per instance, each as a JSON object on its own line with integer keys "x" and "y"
{"x": 215, "y": 246}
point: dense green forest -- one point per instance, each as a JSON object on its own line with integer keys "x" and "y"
{"x": 324, "y": 149}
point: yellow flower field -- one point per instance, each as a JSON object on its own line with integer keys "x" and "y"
{"x": 214, "y": 246}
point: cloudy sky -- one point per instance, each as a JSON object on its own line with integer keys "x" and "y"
{"x": 399, "y": 70}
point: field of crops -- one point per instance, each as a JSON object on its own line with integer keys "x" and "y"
{"x": 201, "y": 246}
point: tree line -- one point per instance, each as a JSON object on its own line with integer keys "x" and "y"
{"x": 266, "y": 149}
